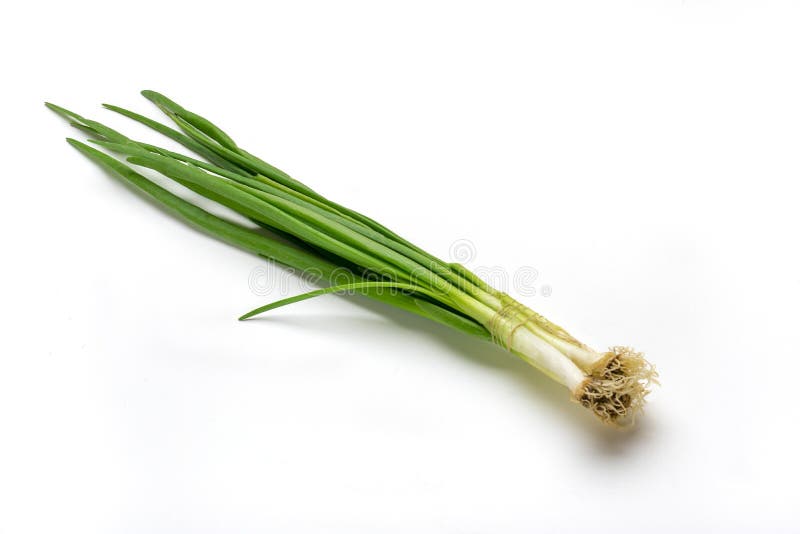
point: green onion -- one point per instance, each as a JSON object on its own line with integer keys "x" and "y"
{"x": 297, "y": 227}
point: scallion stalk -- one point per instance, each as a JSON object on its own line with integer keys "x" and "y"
{"x": 302, "y": 229}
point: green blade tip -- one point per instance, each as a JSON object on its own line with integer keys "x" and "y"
{"x": 156, "y": 97}
{"x": 64, "y": 112}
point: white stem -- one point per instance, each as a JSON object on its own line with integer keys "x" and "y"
{"x": 535, "y": 349}
{"x": 584, "y": 357}
{"x": 546, "y": 358}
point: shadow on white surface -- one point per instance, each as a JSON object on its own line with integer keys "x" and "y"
{"x": 538, "y": 389}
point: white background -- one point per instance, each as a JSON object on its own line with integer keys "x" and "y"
{"x": 641, "y": 156}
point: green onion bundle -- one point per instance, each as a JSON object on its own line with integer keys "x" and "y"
{"x": 297, "y": 227}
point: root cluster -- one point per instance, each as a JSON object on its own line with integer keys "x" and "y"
{"x": 616, "y": 388}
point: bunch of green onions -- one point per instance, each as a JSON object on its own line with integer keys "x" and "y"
{"x": 297, "y": 227}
